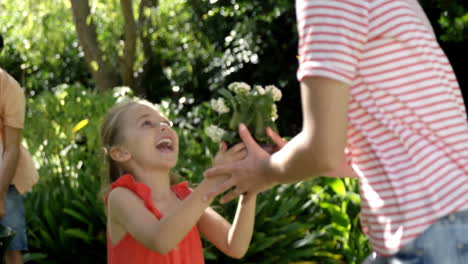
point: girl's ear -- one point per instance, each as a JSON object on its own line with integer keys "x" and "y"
{"x": 120, "y": 154}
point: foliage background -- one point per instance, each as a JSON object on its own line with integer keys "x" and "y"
{"x": 187, "y": 50}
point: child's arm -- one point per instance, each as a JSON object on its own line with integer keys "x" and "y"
{"x": 128, "y": 212}
{"x": 233, "y": 240}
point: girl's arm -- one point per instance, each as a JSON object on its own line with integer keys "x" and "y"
{"x": 127, "y": 211}
{"x": 233, "y": 240}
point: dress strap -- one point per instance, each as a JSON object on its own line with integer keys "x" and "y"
{"x": 141, "y": 190}
{"x": 181, "y": 190}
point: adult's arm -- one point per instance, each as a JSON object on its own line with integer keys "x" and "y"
{"x": 344, "y": 170}
{"x": 9, "y": 162}
{"x": 317, "y": 150}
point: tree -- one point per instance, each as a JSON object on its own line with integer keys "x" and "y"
{"x": 103, "y": 71}
{"x": 41, "y": 47}
{"x": 177, "y": 48}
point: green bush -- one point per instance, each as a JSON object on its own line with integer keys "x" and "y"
{"x": 316, "y": 220}
{"x": 309, "y": 221}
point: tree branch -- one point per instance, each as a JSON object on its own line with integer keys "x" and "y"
{"x": 104, "y": 75}
{"x": 144, "y": 23}
{"x": 128, "y": 59}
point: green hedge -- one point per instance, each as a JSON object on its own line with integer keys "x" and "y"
{"x": 309, "y": 221}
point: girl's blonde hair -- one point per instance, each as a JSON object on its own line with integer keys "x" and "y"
{"x": 111, "y": 135}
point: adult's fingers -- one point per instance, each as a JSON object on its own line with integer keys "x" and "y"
{"x": 280, "y": 142}
{"x": 247, "y": 138}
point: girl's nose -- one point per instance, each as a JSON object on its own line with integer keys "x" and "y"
{"x": 163, "y": 126}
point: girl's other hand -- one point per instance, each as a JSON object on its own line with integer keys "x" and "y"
{"x": 225, "y": 155}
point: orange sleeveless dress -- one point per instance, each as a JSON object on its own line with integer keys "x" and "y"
{"x": 128, "y": 250}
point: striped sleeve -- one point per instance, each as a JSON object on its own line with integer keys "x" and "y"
{"x": 331, "y": 36}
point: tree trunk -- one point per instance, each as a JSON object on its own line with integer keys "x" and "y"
{"x": 103, "y": 73}
{"x": 144, "y": 22}
{"x": 127, "y": 62}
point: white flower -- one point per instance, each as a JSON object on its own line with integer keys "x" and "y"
{"x": 275, "y": 92}
{"x": 121, "y": 92}
{"x": 215, "y": 133}
{"x": 274, "y": 112}
{"x": 239, "y": 87}
{"x": 219, "y": 105}
{"x": 259, "y": 89}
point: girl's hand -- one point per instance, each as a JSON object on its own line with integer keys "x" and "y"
{"x": 248, "y": 176}
{"x": 225, "y": 155}
{"x": 256, "y": 175}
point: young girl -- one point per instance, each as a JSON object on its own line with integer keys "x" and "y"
{"x": 148, "y": 220}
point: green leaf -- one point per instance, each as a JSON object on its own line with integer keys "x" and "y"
{"x": 337, "y": 186}
{"x": 46, "y": 238}
{"x": 78, "y": 233}
{"x": 76, "y": 215}
{"x": 32, "y": 257}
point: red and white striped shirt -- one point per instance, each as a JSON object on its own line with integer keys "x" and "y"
{"x": 408, "y": 130}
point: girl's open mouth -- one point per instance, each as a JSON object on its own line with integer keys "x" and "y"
{"x": 165, "y": 145}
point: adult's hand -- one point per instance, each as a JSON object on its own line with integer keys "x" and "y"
{"x": 279, "y": 141}
{"x": 248, "y": 176}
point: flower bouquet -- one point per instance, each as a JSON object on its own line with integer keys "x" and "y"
{"x": 255, "y": 107}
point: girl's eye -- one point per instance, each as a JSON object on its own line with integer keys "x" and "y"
{"x": 147, "y": 123}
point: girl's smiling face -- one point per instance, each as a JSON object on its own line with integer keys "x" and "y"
{"x": 149, "y": 138}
